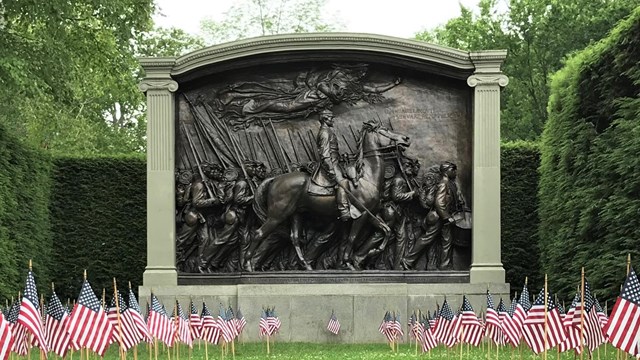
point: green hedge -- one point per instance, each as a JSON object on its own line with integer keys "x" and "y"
{"x": 590, "y": 168}
{"x": 25, "y": 230}
{"x": 76, "y": 213}
{"x": 519, "y": 213}
{"x": 98, "y": 216}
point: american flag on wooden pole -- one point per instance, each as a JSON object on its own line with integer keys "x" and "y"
{"x": 159, "y": 324}
{"x": 128, "y": 328}
{"x": 29, "y": 315}
{"x": 18, "y": 331}
{"x": 334, "y": 325}
{"x": 183, "y": 329}
{"x": 469, "y": 323}
{"x": 195, "y": 323}
{"x": 543, "y": 320}
{"x": 624, "y": 323}
{"x": 210, "y": 330}
{"x": 6, "y": 339}
{"x": 88, "y": 325}
{"x": 56, "y": 321}
{"x": 134, "y": 312}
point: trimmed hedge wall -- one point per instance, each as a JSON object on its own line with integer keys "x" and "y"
{"x": 519, "y": 214}
{"x": 25, "y": 230}
{"x": 90, "y": 213}
{"x": 98, "y": 216}
{"x": 590, "y": 167}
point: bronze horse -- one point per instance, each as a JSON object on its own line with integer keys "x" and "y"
{"x": 285, "y": 197}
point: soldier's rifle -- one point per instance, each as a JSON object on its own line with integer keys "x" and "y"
{"x": 293, "y": 145}
{"x": 346, "y": 142}
{"x": 304, "y": 146}
{"x": 195, "y": 156}
{"x": 234, "y": 147}
{"x": 273, "y": 149}
{"x": 264, "y": 150}
{"x": 197, "y": 119}
{"x": 284, "y": 157}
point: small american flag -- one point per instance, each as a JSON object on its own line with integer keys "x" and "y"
{"x": 573, "y": 334}
{"x": 6, "y": 340}
{"x": 182, "y": 326}
{"x": 17, "y": 330}
{"x": 624, "y": 323}
{"x": 160, "y": 325}
{"x": 334, "y": 325}
{"x": 56, "y": 322}
{"x": 88, "y": 323}
{"x": 263, "y": 325}
{"x": 241, "y": 321}
{"x": 444, "y": 331}
{"x": 534, "y": 326}
{"x": 29, "y": 315}
{"x": 130, "y": 334}
{"x": 134, "y": 311}
{"x": 426, "y": 338}
{"x": 493, "y": 329}
{"x": 471, "y": 327}
{"x": 195, "y": 323}
{"x": 225, "y": 326}
{"x": 210, "y": 329}
{"x": 273, "y": 321}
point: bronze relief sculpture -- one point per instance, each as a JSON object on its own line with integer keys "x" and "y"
{"x": 312, "y": 168}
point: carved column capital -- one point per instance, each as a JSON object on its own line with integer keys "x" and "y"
{"x": 158, "y": 84}
{"x": 487, "y": 79}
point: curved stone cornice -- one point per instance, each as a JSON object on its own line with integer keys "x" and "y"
{"x": 158, "y": 84}
{"x": 323, "y": 41}
{"x": 487, "y": 79}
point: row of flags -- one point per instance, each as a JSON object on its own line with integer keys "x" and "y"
{"x": 542, "y": 325}
{"x": 90, "y": 324}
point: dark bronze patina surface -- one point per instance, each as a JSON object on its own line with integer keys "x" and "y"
{"x": 325, "y": 168}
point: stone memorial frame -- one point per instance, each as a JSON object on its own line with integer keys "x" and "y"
{"x": 480, "y": 70}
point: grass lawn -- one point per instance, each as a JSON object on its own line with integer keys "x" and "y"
{"x": 344, "y": 352}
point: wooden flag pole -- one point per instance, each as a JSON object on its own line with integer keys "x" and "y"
{"x": 206, "y": 348}
{"x": 546, "y": 323}
{"x": 119, "y": 320}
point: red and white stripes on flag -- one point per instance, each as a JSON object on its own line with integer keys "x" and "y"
{"x": 136, "y": 316}
{"x": 334, "y": 325}
{"x": 6, "y": 339}
{"x": 160, "y": 326}
{"x": 210, "y": 331}
{"x": 470, "y": 326}
{"x": 88, "y": 324}
{"x": 493, "y": 328}
{"x": 130, "y": 334}
{"x": 29, "y": 315}
{"x": 624, "y": 323}
{"x": 534, "y": 326}
{"x": 56, "y": 323}
{"x": 425, "y": 336}
{"x": 183, "y": 331}
{"x": 195, "y": 323}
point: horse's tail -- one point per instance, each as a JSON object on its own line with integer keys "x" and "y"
{"x": 260, "y": 199}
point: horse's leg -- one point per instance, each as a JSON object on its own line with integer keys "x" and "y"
{"x": 356, "y": 226}
{"x": 296, "y": 229}
{"x": 258, "y": 253}
{"x": 380, "y": 224}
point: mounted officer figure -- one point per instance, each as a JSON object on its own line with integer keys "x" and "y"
{"x": 328, "y": 174}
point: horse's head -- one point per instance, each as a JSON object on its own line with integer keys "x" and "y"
{"x": 379, "y": 137}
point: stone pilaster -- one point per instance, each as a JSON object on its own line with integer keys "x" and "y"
{"x": 487, "y": 81}
{"x": 159, "y": 88}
